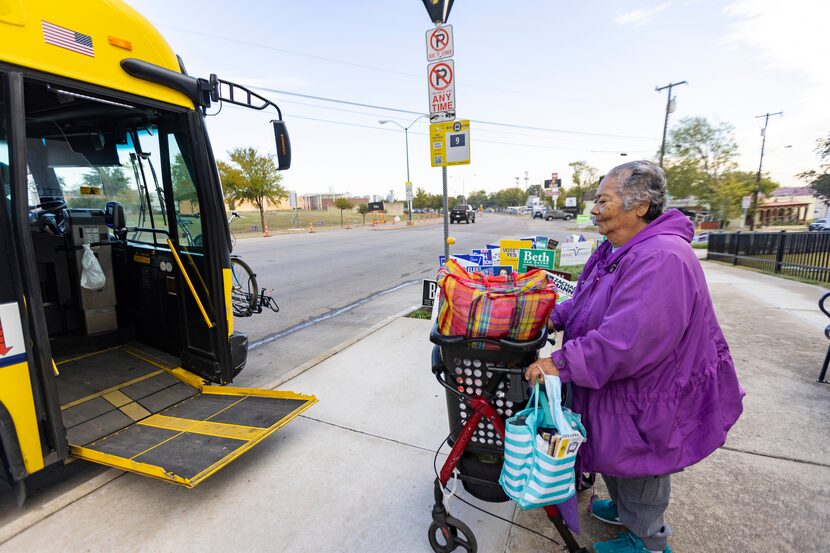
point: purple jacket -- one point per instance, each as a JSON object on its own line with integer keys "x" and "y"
{"x": 650, "y": 368}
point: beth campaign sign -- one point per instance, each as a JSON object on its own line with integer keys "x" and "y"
{"x": 536, "y": 259}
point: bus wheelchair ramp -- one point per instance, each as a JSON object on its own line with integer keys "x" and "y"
{"x": 191, "y": 440}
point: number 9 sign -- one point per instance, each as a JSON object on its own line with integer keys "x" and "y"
{"x": 450, "y": 143}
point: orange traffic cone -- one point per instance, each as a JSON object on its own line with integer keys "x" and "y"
{"x": 311, "y": 227}
{"x": 267, "y": 234}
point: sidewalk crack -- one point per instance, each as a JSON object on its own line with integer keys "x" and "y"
{"x": 779, "y": 457}
{"x": 368, "y": 434}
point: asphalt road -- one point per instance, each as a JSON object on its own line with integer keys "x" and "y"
{"x": 333, "y": 285}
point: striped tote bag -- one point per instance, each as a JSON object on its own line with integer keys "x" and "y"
{"x": 530, "y": 475}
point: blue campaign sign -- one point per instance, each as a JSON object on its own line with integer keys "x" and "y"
{"x": 491, "y": 270}
{"x": 463, "y": 259}
{"x": 486, "y": 256}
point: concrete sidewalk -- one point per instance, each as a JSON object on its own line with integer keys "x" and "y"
{"x": 355, "y": 473}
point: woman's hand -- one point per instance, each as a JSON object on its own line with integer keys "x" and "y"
{"x": 537, "y": 370}
{"x": 551, "y": 329}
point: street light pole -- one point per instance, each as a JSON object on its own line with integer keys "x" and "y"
{"x": 406, "y": 141}
{"x": 757, "y": 190}
{"x": 666, "y": 121}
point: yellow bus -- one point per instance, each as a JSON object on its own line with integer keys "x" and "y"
{"x": 116, "y": 330}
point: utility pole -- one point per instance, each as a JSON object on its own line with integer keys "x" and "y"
{"x": 669, "y": 109}
{"x": 757, "y": 190}
{"x": 526, "y": 179}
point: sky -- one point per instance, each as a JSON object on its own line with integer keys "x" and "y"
{"x": 546, "y": 82}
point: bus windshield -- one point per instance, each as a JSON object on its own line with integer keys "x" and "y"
{"x": 94, "y": 151}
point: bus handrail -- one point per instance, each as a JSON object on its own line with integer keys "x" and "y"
{"x": 208, "y": 322}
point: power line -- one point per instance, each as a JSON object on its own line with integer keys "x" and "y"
{"x": 370, "y": 114}
{"x": 479, "y": 121}
{"x": 481, "y": 140}
{"x": 382, "y": 69}
{"x": 542, "y": 146}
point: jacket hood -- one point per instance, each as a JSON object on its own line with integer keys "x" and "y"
{"x": 672, "y": 222}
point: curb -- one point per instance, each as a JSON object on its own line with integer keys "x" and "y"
{"x": 77, "y": 493}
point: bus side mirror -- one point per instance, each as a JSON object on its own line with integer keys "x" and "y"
{"x": 283, "y": 145}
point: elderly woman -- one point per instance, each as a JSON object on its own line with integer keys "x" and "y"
{"x": 649, "y": 367}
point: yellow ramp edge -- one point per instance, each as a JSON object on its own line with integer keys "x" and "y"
{"x": 249, "y": 436}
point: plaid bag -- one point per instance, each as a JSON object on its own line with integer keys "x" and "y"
{"x": 511, "y": 306}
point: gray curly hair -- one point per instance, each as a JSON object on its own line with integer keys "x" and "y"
{"x": 641, "y": 181}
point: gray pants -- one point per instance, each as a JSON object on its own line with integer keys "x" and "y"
{"x": 641, "y": 503}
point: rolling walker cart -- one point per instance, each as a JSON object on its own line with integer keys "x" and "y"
{"x": 484, "y": 379}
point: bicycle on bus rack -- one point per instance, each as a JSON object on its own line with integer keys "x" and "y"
{"x": 246, "y": 297}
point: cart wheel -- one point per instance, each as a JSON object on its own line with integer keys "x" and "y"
{"x": 445, "y": 538}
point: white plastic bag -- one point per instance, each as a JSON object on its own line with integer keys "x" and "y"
{"x": 92, "y": 277}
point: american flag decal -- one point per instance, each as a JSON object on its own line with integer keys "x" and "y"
{"x": 66, "y": 38}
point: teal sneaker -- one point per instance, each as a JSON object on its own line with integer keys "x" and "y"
{"x": 606, "y": 511}
{"x": 624, "y": 543}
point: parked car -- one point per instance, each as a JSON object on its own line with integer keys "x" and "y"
{"x": 463, "y": 212}
{"x": 818, "y": 224}
{"x": 551, "y": 214}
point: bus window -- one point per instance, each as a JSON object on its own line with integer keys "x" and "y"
{"x": 185, "y": 198}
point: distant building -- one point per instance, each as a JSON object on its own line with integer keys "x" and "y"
{"x": 793, "y": 205}
{"x": 323, "y": 202}
{"x": 285, "y": 203}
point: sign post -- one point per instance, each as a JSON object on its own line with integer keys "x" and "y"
{"x": 441, "y": 78}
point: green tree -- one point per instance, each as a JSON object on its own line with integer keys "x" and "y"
{"x": 584, "y": 178}
{"x": 112, "y": 180}
{"x": 819, "y": 180}
{"x": 514, "y": 196}
{"x": 251, "y": 177}
{"x": 342, "y": 204}
{"x": 737, "y": 184}
{"x": 698, "y": 157}
{"x": 363, "y": 209}
{"x": 183, "y": 188}
{"x": 421, "y": 199}
{"x": 477, "y": 199}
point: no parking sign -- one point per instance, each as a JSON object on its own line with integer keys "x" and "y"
{"x": 439, "y": 43}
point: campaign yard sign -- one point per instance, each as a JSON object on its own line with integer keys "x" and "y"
{"x": 540, "y": 242}
{"x": 510, "y": 251}
{"x": 536, "y": 259}
{"x": 575, "y": 253}
{"x": 491, "y": 270}
{"x": 465, "y": 260}
{"x": 428, "y": 292}
{"x": 495, "y": 253}
{"x": 486, "y": 256}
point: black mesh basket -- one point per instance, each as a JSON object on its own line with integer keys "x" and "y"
{"x": 493, "y": 370}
